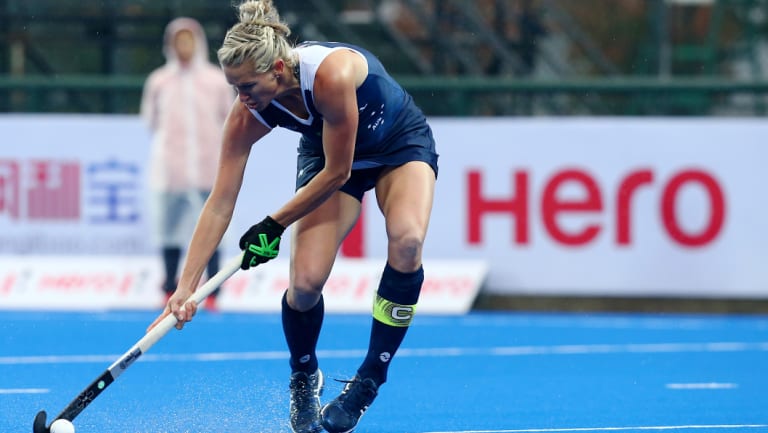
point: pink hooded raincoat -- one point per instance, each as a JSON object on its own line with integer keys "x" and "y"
{"x": 185, "y": 108}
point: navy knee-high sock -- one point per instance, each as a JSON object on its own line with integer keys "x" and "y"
{"x": 393, "y": 311}
{"x": 302, "y": 329}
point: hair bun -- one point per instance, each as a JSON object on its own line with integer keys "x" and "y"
{"x": 262, "y": 13}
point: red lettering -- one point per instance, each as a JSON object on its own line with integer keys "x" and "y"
{"x": 10, "y": 188}
{"x": 348, "y": 285}
{"x": 364, "y": 286}
{"x": 717, "y": 206}
{"x": 235, "y": 286}
{"x": 624, "y": 195}
{"x": 448, "y": 286}
{"x": 7, "y": 284}
{"x": 126, "y": 284}
{"x": 516, "y": 206}
{"x": 552, "y": 206}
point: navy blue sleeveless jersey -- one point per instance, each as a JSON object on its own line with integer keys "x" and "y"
{"x": 391, "y": 131}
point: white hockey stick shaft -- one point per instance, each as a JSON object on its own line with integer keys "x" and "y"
{"x": 165, "y": 325}
{"x": 128, "y": 358}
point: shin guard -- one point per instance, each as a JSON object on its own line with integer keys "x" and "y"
{"x": 393, "y": 311}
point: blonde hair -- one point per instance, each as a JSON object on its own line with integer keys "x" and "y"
{"x": 260, "y": 37}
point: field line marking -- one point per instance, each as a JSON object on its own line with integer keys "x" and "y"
{"x": 557, "y": 350}
{"x": 604, "y": 429}
{"x": 5, "y": 391}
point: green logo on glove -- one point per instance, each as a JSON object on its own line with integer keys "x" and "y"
{"x": 267, "y": 249}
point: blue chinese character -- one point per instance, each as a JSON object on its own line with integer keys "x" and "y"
{"x": 114, "y": 191}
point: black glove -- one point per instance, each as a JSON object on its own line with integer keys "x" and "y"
{"x": 261, "y": 242}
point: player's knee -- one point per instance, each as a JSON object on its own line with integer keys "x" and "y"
{"x": 405, "y": 252}
{"x": 305, "y": 290}
{"x": 301, "y": 298}
{"x": 306, "y": 285}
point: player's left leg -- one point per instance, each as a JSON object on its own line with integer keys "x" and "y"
{"x": 404, "y": 196}
{"x": 315, "y": 240}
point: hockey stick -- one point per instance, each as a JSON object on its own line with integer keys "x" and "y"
{"x": 128, "y": 358}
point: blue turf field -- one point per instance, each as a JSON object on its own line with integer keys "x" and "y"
{"x": 484, "y": 372}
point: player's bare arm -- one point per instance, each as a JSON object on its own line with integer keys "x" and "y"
{"x": 241, "y": 130}
{"x": 336, "y": 82}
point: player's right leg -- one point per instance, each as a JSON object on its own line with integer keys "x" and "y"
{"x": 315, "y": 242}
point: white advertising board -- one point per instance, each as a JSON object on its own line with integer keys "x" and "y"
{"x": 607, "y": 206}
{"x": 113, "y": 282}
{"x": 577, "y": 206}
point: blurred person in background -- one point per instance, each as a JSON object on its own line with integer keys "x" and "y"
{"x": 360, "y": 130}
{"x": 184, "y": 104}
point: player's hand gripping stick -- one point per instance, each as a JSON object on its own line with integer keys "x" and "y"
{"x": 261, "y": 242}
